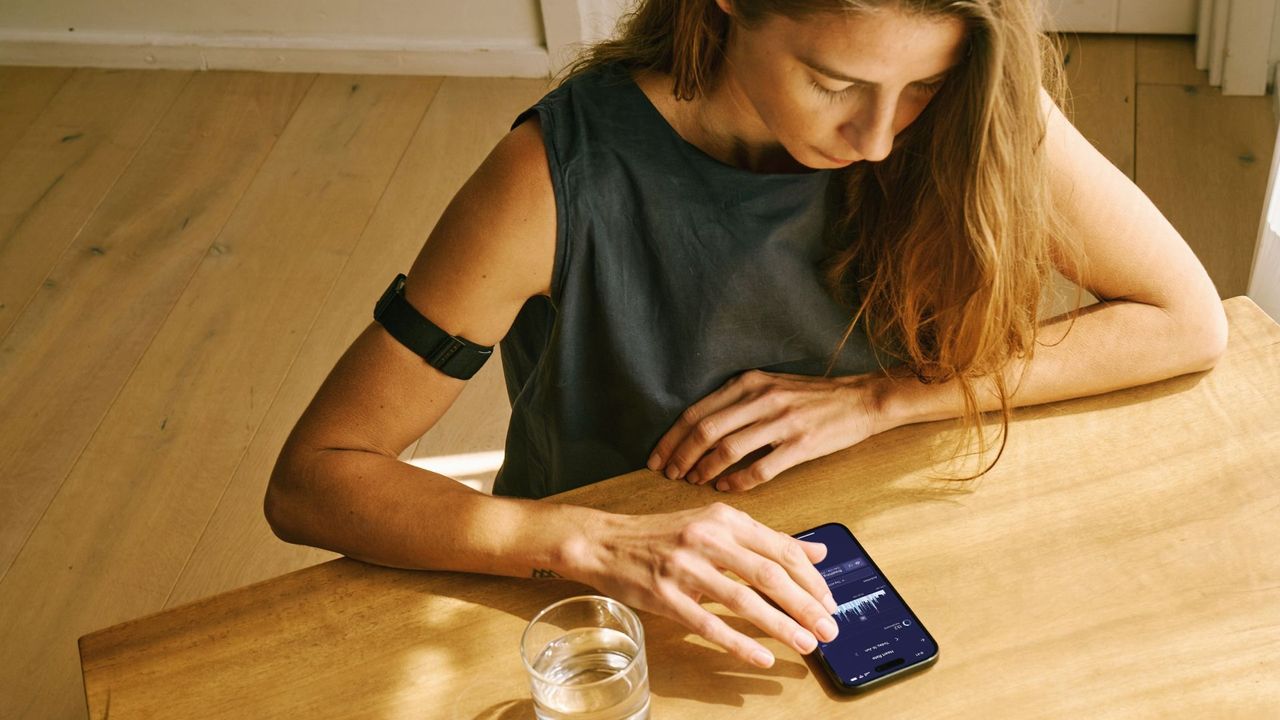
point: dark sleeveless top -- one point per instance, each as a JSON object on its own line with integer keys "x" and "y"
{"x": 673, "y": 273}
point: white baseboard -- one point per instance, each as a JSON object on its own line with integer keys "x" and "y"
{"x": 380, "y": 56}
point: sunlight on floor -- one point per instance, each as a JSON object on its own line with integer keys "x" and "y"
{"x": 475, "y": 470}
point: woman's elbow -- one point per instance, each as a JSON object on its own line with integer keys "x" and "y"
{"x": 1208, "y": 335}
{"x": 278, "y": 504}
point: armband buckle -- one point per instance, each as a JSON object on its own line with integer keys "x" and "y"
{"x": 452, "y": 355}
{"x": 447, "y": 348}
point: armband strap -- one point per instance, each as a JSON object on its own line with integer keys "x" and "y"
{"x": 454, "y": 356}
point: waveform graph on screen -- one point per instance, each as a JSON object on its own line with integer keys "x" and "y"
{"x": 860, "y": 607}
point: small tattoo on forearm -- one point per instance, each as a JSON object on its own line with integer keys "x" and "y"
{"x": 542, "y": 573}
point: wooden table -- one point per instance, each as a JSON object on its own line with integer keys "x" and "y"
{"x": 1120, "y": 561}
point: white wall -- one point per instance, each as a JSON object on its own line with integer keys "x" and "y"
{"x": 482, "y": 22}
{"x": 499, "y": 37}
{"x": 448, "y": 37}
{"x": 1173, "y": 17}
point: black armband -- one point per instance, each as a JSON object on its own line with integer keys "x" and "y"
{"x": 454, "y": 356}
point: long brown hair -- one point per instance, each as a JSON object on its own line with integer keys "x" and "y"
{"x": 942, "y": 250}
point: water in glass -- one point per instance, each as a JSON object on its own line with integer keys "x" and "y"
{"x": 577, "y": 663}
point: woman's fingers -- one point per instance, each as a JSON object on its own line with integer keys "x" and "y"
{"x": 778, "y": 566}
{"x": 814, "y": 602}
{"x": 797, "y": 556}
{"x": 784, "y": 456}
{"x": 701, "y": 425}
{"x": 792, "y": 418}
{"x": 667, "y": 563}
{"x": 730, "y": 450}
{"x": 799, "y": 619}
{"x": 698, "y": 426}
{"x": 747, "y": 604}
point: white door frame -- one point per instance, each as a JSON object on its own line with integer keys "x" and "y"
{"x": 1264, "y": 277}
{"x": 568, "y": 24}
{"x": 1233, "y": 42}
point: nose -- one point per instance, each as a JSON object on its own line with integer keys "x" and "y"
{"x": 870, "y": 130}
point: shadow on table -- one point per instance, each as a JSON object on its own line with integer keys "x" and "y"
{"x": 680, "y": 667}
{"x": 508, "y": 710}
{"x": 1117, "y": 398}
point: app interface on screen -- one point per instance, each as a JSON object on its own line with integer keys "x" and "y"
{"x": 878, "y": 634}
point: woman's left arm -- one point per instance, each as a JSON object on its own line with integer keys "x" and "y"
{"x": 1159, "y": 316}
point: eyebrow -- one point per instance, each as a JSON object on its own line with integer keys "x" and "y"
{"x": 841, "y": 76}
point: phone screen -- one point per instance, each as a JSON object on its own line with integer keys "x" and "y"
{"x": 879, "y": 635}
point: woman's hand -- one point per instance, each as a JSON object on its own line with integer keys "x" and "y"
{"x": 667, "y": 563}
{"x": 797, "y": 417}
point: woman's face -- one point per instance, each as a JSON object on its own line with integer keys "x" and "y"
{"x": 834, "y": 89}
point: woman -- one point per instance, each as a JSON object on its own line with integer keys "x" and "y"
{"x": 746, "y": 234}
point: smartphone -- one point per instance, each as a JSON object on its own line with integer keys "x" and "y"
{"x": 880, "y": 637}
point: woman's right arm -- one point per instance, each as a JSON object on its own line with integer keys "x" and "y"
{"x": 338, "y": 483}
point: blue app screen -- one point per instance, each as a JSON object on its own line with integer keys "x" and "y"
{"x": 879, "y": 634}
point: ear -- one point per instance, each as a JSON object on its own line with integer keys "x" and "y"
{"x": 726, "y": 6}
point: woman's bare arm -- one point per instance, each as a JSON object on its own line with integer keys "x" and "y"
{"x": 338, "y": 477}
{"x": 1159, "y": 314}
{"x": 338, "y": 483}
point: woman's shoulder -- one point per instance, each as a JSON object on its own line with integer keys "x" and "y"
{"x": 598, "y": 114}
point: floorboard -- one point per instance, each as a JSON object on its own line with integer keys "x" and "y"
{"x": 127, "y": 518}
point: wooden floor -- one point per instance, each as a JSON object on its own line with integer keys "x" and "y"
{"x": 184, "y": 256}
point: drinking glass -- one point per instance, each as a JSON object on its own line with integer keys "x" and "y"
{"x": 585, "y": 659}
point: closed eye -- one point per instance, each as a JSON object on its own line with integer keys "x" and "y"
{"x": 834, "y": 95}
{"x": 829, "y": 93}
